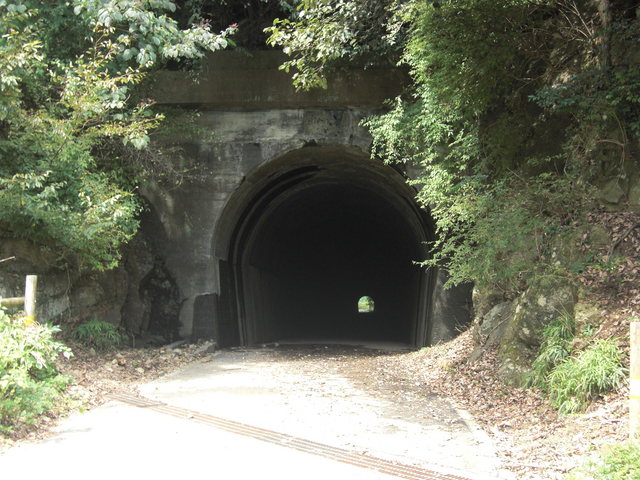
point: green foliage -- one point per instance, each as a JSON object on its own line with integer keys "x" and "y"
{"x": 251, "y": 16}
{"x": 555, "y": 349}
{"x": 615, "y": 462}
{"x": 513, "y": 110}
{"x": 30, "y": 383}
{"x": 575, "y": 382}
{"x": 572, "y": 380}
{"x": 99, "y": 334}
{"x": 151, "y": 35}
{"x": 71, "y": 73}
{"x": 501, "y": 235}
{"x": 599, "y": 90}
{"x": 321, "y": 32}
{"x": 366, "y": 305}
{"x": 497, "y": 202}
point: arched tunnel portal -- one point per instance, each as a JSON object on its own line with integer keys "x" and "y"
{"x": 309, "y": 234}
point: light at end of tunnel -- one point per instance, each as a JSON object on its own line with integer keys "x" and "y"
{"x": 366, "y": 305}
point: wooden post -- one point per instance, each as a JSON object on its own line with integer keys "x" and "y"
{"x": 634, "y": 383}
{"x": 12, "y": 302}
{"x": 30, "y": 297}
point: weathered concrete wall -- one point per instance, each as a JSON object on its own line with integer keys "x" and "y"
{"x": 243, "y": 141}
{"x": 257, "y": 117}
{"x": 451, "y": 309}
{"x": 169, "y": 282}
{"x": 252, "y": 81}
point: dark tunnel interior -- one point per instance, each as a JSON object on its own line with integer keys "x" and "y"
{"x": 317, "y": 252}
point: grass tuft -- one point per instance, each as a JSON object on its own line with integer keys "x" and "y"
{"x": 99, "y": 335}
{"x": 575, "y": 382}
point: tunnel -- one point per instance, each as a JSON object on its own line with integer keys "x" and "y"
{"x": 311, "y": 237}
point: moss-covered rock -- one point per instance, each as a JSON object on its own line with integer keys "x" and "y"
{"x": 490, "y": 329}
{"x": 611, "y": 192}
{"x": 495, "y": 322}
{"x": 598, "y": 236}
{"x": 634, "y": 195}
{"x": 588, "y": 319}
{"x": 543, "y": 301}
{"x": 515, "y": 363}
{"x": 565, "y": 249}
{"x": 64, "y": 296}
{"x": 483, "y": 301}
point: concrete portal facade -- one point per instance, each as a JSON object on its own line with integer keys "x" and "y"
{"x": 289, "y": 221}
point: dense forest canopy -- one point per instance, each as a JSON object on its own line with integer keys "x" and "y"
{"x": 515, "y": 111}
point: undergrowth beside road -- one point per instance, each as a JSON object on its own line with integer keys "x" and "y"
{"x": 93, "y": 374}
{"x": 615, "y": 462}
{"x": 30, "y": 381}
{"x": 582, "y": 378}
{"x": 532, "y": 439}
{"x": 98, "y": 334}
{"x": 573, "y": 379}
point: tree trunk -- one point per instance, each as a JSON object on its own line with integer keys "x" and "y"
{"x": 606, "y": 19}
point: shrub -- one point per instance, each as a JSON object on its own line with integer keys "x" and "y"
{"x": 71, "y": 83}
{"x": 572, "y": 381}
{"x": 30, "y": 383}
{"x": 98, "y": 334}
{"x": 504, "y": 127}
{"x": 616, "y": 462}
{"x": 555, "y": 349}
{"x": 578, "y": 380}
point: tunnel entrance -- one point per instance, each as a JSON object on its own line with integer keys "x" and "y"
{"x": 306, "y": 237}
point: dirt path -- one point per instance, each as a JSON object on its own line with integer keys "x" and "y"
{"x": 333, "y": 395}
{"x": 531, "y": 440}
{"x": 324, "y": 398}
